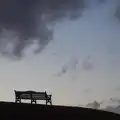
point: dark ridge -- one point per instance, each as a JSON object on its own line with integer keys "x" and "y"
{"x": 23, "y": 111}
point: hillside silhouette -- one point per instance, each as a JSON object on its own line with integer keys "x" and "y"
{"x": 26, "y": 111}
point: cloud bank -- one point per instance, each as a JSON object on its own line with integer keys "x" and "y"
{"x": 23, "y": 22}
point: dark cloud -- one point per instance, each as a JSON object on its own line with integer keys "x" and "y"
{"x": 117, "y": 14}
{"x": 24, "y": 21}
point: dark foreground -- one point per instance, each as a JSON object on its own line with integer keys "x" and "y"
{"x": 13, "y": 111}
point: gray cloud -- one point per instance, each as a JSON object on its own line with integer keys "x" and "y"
{"x": 110, "y": 108}
{"x": 87, "y": 64}
{"x": 115, "y": 109}
{"x": 70, "y": 65}
{"x": 24, "y": 21}
{"x": 94, "y": 105}
{"x": 115, "y": 100}
{"x": 63, "y": 70}
{"x": 87, "y": 91}
{"x": 73, "y": 64}
{"x": 117, "y": 89}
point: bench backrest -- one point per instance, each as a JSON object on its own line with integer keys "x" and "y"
{"x": 25, "y": 96}
{"x": 39, "y": 96}
{"x": 31, "y": 95}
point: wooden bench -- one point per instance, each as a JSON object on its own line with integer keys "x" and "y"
{"x": 33, "y": 96}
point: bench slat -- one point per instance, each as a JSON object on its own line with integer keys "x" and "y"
{"x": 25, "y": 96}
{"x": 39, "y": 96}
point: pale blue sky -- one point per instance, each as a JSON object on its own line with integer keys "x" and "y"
{"x": 93, "y": 39}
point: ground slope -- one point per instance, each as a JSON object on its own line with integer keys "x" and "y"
{"x": 13, "y": 111}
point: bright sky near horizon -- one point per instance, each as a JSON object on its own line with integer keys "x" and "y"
{"x": 80, "y": 65}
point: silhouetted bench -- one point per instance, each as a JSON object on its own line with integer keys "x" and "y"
{"x": 33, "y": 96}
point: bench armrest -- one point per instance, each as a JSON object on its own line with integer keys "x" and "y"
{"x": 49, "y": 96}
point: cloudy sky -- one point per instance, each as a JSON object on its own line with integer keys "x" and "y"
{"x": 80, "y": 64}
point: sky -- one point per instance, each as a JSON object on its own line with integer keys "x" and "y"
{"x": 80, "y": 65}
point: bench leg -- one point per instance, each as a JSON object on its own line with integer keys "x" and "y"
{"x": 50, "y": 102}
{"x": 46, "y": 102}
{"x": 33, "y": 101}
{"x": 18, "y": 100}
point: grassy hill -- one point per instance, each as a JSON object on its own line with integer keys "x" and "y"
{"x": 13, "y": 111}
